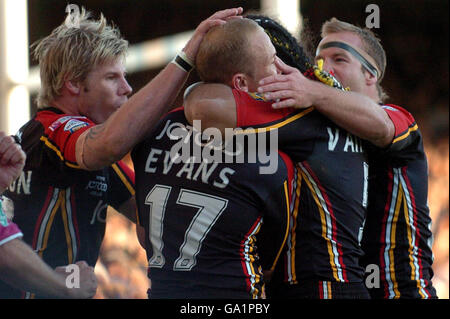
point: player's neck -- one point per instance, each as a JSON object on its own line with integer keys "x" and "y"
{"x": 66, "y": 104}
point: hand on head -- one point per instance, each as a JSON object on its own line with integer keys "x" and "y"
{"x": 218, "y": 18}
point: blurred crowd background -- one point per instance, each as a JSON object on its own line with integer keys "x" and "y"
{"x": 415, "y": 37}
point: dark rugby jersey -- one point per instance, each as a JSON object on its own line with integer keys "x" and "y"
{"x": 332, "y": 170}
{"x": 213, "y": 226}
{"x": 397, "y": 236}
{"x": 60, "y": 208}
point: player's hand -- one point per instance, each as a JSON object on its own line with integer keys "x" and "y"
{"x": 88, "y": 281}
{"x": 288, "y": 89}
{"x": 218, "y": 18}
{"x": 12, "y": 161}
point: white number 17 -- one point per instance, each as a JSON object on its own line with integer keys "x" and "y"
{"x": 209, "y": 210}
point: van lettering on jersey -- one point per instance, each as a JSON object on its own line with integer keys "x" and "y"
{"x": 333, "y": 138}
{"x": 352, "y": 143}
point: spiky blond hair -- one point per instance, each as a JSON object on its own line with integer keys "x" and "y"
{"x": 71, "y": 51}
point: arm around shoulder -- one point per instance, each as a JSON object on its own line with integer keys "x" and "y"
{"x": 213, "y": 105}
{"x": 358, "y": 114}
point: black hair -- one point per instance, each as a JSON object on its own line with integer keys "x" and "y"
{"x": 287, "y": 47}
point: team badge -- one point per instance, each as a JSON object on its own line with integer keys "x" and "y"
{"x": 62, "y": 120}
{"x": 74, "y": 125}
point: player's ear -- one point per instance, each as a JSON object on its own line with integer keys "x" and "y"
{"x": 370, "y": 78}
{"x": 74, "y": 87}
{"x": 240, "y": 82}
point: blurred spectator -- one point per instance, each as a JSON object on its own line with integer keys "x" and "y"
{"x": 122, "y": 267}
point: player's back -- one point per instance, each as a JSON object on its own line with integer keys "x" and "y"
{"x": 324, "y": 241}
{"x": 203, "y": 219}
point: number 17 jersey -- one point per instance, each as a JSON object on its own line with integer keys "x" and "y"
{"x": 210, "y": 227}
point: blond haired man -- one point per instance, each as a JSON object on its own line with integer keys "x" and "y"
{"x": 397, "y": 236}
{"x": 85, "y": 122}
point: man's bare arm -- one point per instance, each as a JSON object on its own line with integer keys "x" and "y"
{"x": 22, "y": 268}
{"x": 352, "y": 111}
{"x": 109, "y": 142}
{"x": 358, "y": 114}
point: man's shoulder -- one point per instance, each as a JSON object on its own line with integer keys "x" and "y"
{"x": 53, "y": 119}
{"x": 396, "y": 108}
{"x": 207, "y": 97}
{"x": 401, "y": 118}
{"x": 407, "y": 140}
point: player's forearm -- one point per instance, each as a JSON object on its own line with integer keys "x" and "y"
{"x": 23, "y": 269}
{"x": 107, "y": 143}
{"x": 356, "y": 113}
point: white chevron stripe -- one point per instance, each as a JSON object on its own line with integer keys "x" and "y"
{"x": 410, "y": 223}
{"x": 73, "y": 237}
{"x": 389, "y": 225}
{"x": 44, "y": 223}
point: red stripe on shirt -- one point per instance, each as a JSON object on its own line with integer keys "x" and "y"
{"x": 333, "y": 219}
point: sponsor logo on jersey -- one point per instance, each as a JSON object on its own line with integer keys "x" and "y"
{"x": 62, "y": 120}
{"x": 98, "y": 186}
{"x": 74, "y": 125}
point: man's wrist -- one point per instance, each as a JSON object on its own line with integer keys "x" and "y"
{"x": 320, "y": 94}
{"x": 182, "y": 61}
